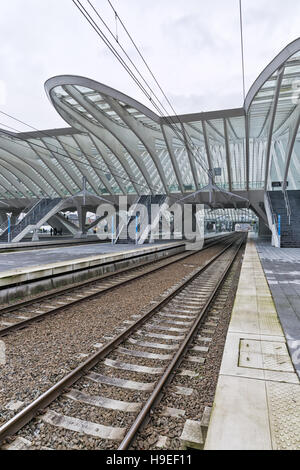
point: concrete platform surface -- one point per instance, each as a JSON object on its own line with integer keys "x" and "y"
{"x": 48, "y": 257}
{"x": 26, "y": 273}
{"x": 44, "y": 257}
{"x": 46, "y": 240}
{"x": 282, "y": 270}
{"x": 257, "y": 401}
{"x": 26, "y": 266}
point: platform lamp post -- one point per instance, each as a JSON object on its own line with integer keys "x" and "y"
{"x": 9, "y": 214}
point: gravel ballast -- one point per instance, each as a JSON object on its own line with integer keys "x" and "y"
{"x": 204, "y": 384}
{"x": 40, "y": 355}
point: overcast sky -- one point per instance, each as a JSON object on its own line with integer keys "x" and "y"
{"x": 192, "y": 46}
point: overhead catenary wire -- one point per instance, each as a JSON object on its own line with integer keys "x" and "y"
{"x": 210, "y": 171}
{"x": 142, "y": 57}
{"x": 10, "y": 136}
{"x": 186, "y": 139}
{"x": 171, "y": 122}
{"x": 99, "y": 32}
{"x": 94, "y": 25}
{"x": 131, "y": 61}
{"x": 80, "y": 162}
{"x": 168, "y": 118}
{"x": 150, "y": 93}
{"x": 45, "y": 134}
{"x": 131, "y": 180}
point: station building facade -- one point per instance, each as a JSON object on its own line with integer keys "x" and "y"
{"x": 242, "y": 158}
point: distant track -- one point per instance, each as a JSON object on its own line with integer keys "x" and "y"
{"x": 23, "y": 314}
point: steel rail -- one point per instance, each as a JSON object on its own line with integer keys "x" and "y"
{"x": 39, "y": 404}
{"x": 179, "y": 356}
{"x": 24, "y": 323}
{"x": 66, "y": 290}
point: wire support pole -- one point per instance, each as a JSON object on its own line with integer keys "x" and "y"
{"x": 242, "y": 48}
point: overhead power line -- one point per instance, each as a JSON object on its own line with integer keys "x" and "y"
{"x": 176, "y": 123}
{"x": 143, "y": 59}
{"x": 146, "y": 88}
{"x": 45, "y": 134}
{"x": 186, "y": 137}
{"x": 16, "y": 135}
{"x": 18, "y": 139}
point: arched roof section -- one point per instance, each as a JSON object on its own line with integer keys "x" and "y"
{"x": 273, "y": 114}
{"x": 122, "y": 147}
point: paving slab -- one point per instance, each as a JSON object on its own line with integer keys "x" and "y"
{"x": 256, "y": 406}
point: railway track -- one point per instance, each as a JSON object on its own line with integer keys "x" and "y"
{"x": 107, "y": 398}
{"x": 22, "y": 314}
{"x": 181, "y": 418}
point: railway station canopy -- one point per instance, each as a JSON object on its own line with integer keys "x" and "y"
{"x": 123, "y": 148}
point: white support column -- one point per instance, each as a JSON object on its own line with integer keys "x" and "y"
{"x": 271, "y": 123}
{"x": 81, "y": 211}
{"x": 191, "y": 158}
{"x": 167, "y": 134}
{"x": 292, "y": 137}
{"x": 227, "y": 148}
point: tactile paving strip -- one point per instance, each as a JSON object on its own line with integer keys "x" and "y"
{"x": 284, "y": 407}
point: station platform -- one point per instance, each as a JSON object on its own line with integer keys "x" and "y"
{"x": 26, "y": 266}
{"x": 22, "y": 262}
{"x": 47, "y": 242}
{"x": 25, "y": 273}
{"x": 257, "y": 400}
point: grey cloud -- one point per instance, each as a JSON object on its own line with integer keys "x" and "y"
{"x": 190, "y": 33}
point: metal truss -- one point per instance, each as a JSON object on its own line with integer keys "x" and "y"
{"x": 121, "y": 147}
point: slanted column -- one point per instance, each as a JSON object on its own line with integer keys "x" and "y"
{"x": 81, "y": 211}
{"x": 14, "y": 218}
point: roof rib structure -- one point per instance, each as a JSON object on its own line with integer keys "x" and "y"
{"x": 123, "y": 148}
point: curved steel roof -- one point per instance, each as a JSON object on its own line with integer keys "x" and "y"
{"x": 122, "y": 147}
